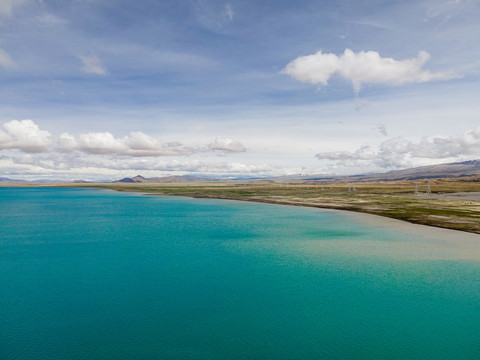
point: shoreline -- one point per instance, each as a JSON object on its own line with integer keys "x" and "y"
{"x": 433, "y": 211}
{"x": 379, "y": 219}
{"x": 443, "y": 243}
{"x": 358, "y": 212}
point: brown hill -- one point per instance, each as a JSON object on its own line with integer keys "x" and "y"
{"x": 452, "y": 170}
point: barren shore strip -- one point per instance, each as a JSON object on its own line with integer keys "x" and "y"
{"x": 452, "y": 204}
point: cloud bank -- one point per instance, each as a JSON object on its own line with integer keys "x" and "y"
{"x": 136, "y": 144}
{"x": 398, "y": 152}
{"x": 24, "y": 135}
{"x": 364, "y": 67}
{"x": 26, "y": 149}
{"x": 80, "y": 165}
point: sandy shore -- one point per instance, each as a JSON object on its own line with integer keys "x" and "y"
{"x": 414, "y": 229}
{"x": 402, "y": 241}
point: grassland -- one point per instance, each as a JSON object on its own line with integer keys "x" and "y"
{"x": 452, "y": 204}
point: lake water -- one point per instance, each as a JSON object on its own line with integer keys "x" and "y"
{"x": 93, "y": 274}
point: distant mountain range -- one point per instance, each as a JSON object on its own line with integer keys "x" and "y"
{"x": 7, "y": 180}
{"x": 44, "y": 181}
{"x": 460, "y": 169}
{"x": 169, "y": 179}
{"x": 452, "y": 170}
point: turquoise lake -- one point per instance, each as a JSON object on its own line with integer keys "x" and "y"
{"x": 96, "y": 274}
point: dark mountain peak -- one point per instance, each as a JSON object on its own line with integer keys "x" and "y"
{"x": 126, "y": 180}
{"x": 139, "y": 178}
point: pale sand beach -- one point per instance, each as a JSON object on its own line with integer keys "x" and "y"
{"x": 425, "y": 242}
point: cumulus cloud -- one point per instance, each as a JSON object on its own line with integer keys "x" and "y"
{"x": 467, "y": 143}
{"x": 364, "y": 153}
{"x": 227, "y": 145}
{"x": 364, "y": 67}
{"x": 136, "y": 144}
{"x": 6, "y": 60}
{"x": 93, "y": 65}
{"x": 94, "y": 143}
{"x": 140, "y": 141}
{"x": 103, "y": 153}
{"x": 398, "y": 152}
{"x": 87, "y": 166}
{"x": 24, "y": 135}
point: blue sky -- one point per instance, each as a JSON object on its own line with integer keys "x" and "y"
{"x": 99, "y": 89}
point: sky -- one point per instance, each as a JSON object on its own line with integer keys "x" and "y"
{"x": 104, "y": 89}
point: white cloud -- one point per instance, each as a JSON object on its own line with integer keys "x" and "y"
{"x": 93, "y": 65}
{"x": 364, "y": 153}
{"x": 228, "y": 12}
{"x": 93, "y": 143}
{"x": 137, "y": 144}
{"x": 362, "y": 67}
{"x": 67, "y": 142}
{"x": 228, "y": 145}
{"x": 6, "y": 6}
{"x": 93, "y": 167}
{"x": 141, "y": 141}
{"x": 24, "y": 135}
{"x": 398, "y": 152}
{"x": 467, "y": 143}
{"x": 6, "y": 60}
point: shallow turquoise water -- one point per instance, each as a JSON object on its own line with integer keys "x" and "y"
{"x": 91, "y": 274}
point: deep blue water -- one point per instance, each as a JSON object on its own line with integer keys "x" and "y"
{"x": 93, "y": 274}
